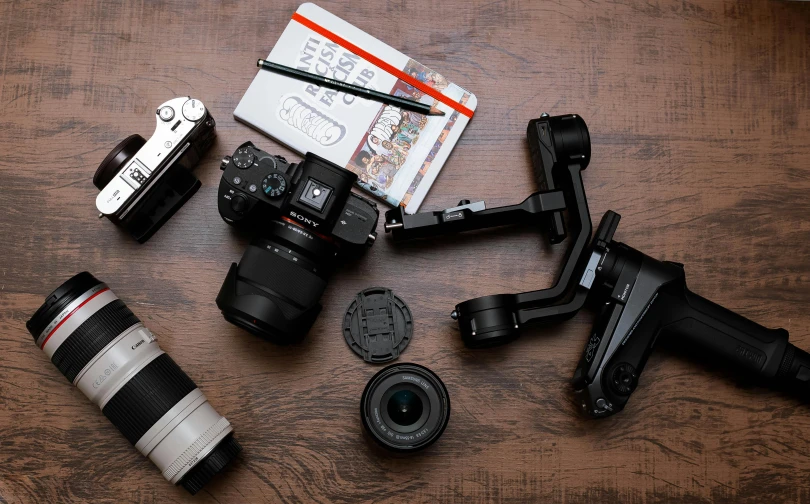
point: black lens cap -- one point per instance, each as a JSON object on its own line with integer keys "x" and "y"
{"x": 377, "y": 325}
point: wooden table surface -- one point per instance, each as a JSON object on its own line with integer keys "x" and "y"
{"x": 698, "y": 113}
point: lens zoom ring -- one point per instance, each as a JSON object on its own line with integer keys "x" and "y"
{"x": 91, "y": 337}
{"x": 147, "y": 397}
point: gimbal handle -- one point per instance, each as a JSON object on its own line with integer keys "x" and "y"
{"x": 643, "y": 299}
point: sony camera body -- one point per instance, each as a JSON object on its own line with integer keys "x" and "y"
{"x": 257, "y": 187}
{"x": 143, "y": 183}
{"x": 306, "y": 218}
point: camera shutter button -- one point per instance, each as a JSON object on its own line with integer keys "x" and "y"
{"x": 239, "y": 204}
{"x": 166, "y": 113}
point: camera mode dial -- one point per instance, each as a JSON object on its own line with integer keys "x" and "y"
{"x": 243, "y": 158}
{"x": 193, "y": 110}
{"x": 274, "y": 185}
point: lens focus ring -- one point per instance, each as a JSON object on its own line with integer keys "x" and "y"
{"x": 91, "y": 337}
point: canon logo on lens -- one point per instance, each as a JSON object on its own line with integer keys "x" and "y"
{"x": 104, "y": 350}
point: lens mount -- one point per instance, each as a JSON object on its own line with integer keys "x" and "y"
{"x": 405, "y": 407}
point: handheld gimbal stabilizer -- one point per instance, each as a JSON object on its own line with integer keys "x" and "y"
{"x": 640, "y": 297}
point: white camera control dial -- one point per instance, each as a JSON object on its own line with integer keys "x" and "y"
{"x": 193, "y": 110}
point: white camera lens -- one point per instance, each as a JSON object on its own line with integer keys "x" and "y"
{"x": 103, "y": 348}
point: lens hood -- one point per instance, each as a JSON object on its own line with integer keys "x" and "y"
{"x": 247, "y": 305}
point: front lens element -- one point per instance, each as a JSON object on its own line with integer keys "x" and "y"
{"x": 405, "y": 408}
{"x": 103, "y": 348}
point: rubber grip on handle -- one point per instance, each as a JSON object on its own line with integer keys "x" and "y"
{"x": 719, "y": 330}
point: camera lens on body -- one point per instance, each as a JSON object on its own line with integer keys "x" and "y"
{"x": 116, "y": 159}
{"x": 103, "y": 349}
{"x": 274, "y": 291}
{"x": 405, "y": 407}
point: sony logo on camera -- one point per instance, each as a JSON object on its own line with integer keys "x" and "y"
{"x": 305, "y": 220}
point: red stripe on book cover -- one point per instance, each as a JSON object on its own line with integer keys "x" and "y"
{"x": 399, "y": 74}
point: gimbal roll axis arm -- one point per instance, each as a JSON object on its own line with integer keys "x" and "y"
{"x": 560, "y": 147}
{"x": 641, "y": 298}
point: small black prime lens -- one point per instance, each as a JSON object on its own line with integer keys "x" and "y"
{"x": 405, "y": 407}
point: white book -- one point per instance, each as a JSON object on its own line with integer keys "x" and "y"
{"x": 396, "y": 154}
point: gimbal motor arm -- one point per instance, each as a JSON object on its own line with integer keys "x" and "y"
{"x": 641, "y": 298}
{"x": 560, "y": 148}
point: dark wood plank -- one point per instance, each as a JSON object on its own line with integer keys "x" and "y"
{"x": 701, "y": 136}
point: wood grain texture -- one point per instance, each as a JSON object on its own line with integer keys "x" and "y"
{"x": 700, "y": 118}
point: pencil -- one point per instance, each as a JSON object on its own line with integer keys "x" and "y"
{"x": 351, "y": 89}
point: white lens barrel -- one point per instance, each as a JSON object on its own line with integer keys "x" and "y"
{"x": 117, "y": 363}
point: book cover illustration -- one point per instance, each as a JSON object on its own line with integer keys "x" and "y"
{"x": 380, "y": 158}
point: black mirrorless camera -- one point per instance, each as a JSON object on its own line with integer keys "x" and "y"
{"x": 307, "y": 219}
{"x": 143, "y": 183}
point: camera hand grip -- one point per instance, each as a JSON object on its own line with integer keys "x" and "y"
{"x": 709, "y": 326}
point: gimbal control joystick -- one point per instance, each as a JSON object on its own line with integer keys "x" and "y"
{"x": 623, "y": 378}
